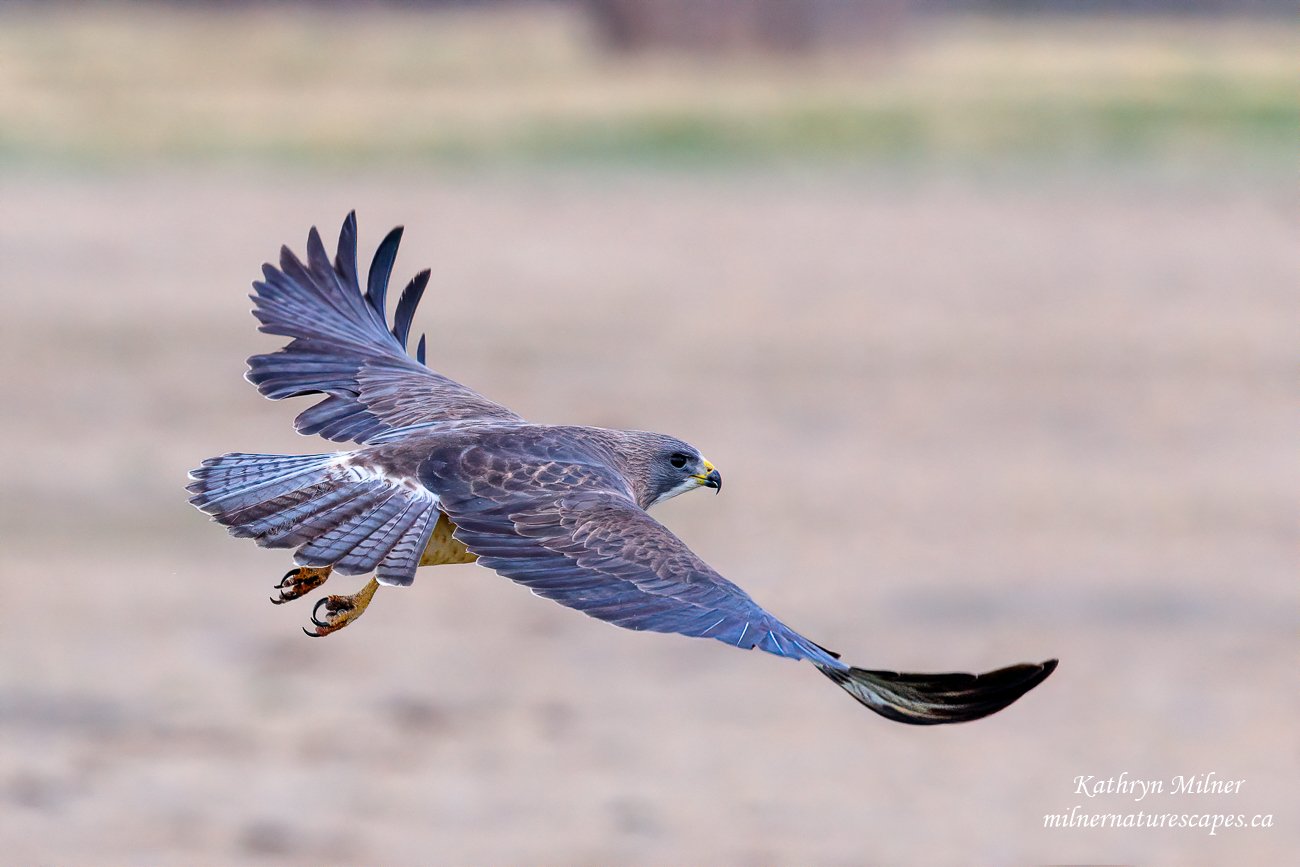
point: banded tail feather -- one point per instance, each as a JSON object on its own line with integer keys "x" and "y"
{"x": 934, "y": 699}
{"x": 335, "y": 511}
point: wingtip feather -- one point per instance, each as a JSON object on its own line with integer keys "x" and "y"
{"x": 936, "y": 699}
{"x": 407, "y": 304}
{"x": 381, "y": 269}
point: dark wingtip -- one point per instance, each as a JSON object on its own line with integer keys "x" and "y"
{"x": 381, "y": 268}
{"x": 315, "y": 246}
{"x": 348, "y": 238}
{"x": 406, "y": 304}
{"x": 936, "y": 699}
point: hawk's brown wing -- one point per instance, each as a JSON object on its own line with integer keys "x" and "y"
{"x": 569, "y": 530}
{"x": 343, "y": 347}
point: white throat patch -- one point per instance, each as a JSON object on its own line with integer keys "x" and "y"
{"x": 688, "y": 484}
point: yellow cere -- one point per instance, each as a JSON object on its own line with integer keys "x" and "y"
{"x": 703, "y": 477}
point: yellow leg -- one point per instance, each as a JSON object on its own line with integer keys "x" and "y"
{"x": 297, "y": 583}
{"x": 340, "y": 610}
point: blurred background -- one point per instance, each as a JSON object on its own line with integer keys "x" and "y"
{"x": 985, "y": 310}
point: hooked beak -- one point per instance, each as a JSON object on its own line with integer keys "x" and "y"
{"x": 710, "y": 478}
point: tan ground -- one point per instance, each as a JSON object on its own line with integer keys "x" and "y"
{"x": 961, "y": 425}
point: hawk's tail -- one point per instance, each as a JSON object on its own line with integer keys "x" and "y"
{"x": 933, "y": 699}
{"x": 334, "y": 512}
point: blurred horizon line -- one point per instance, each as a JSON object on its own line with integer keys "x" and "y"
{"x": 537, "y": 83}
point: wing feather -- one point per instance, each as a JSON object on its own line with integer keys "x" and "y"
{"x": 343, "y": 348}
{"x": 406, "y": 305}
{"x": 381, "y": 268}
{"x": 577, "y": 538}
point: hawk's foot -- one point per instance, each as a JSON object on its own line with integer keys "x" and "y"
{"x": 340, "y": 610}
{"x": 297, "y": 583}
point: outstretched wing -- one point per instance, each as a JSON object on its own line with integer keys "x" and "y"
{"x": 569, "y": 531}
{"x": 343, "y": 347}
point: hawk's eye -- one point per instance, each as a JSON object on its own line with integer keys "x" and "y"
{"x": 678, "y": 460}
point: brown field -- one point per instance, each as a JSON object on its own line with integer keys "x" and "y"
{"x": 964, "y": 419}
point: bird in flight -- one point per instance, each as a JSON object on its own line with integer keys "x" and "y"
{"x": 443, "y": 475}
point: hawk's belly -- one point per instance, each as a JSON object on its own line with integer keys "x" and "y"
{"x": 442, "y": 548}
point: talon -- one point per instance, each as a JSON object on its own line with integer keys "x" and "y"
{"x": 316, "y": 610}
{"x": 340, "y": 610}
{"x": 297, "y": 583}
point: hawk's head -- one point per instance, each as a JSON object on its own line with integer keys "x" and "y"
{"x": 660, "y": 467}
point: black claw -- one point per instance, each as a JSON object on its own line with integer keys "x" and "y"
{"x": 279, "y": 601}
{"x": 316, "y": 609}
{"x": 307, "y": 632}
{"x": 287, "y": 575}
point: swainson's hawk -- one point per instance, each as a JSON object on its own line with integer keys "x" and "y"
{"x": 444, "y": 475}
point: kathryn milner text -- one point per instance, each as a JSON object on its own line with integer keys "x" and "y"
{"x": 1196, "y": 784}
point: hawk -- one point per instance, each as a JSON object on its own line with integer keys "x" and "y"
{"x": 443, "y": 475}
